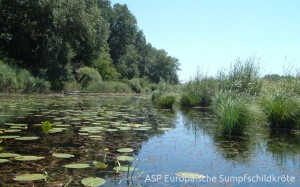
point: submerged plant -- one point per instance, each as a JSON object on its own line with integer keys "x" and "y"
{"x": 282, "y": 110}
{"x": 232, "y": 112}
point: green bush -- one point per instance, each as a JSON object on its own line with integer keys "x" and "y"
{"x": 20, "y": 80}
{"x": 189, "y": 100}
{"x": 166, "y": 101}
{"x": 135, "y": 85}
{"x": 87, "y": 75}
{"x": 282, "y": 110}
{"x": 232, "y": 113}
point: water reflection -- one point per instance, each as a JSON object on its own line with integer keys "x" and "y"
{"x": 284, "y": 146}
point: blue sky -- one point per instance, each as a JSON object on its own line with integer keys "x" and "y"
{"x": 210, "y": 34}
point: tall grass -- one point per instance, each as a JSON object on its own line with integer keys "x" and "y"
{"x": 199, "y": 91}
{"x": 282, "y": 110}
{"x": 232, "y": 113}
{"x": 243, "y": 77}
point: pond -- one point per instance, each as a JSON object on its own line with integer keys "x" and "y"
{"x": 128, "y": 142}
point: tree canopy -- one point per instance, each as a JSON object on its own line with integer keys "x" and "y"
{"x": 54, "y": 38}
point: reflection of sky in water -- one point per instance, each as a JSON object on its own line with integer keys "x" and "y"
{"x": 182, "y": 150}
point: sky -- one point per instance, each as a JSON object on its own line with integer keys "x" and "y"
{"x": 209, "y": 35}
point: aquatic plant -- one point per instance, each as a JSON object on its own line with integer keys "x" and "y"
{"x": 282, "y": 110}
{"x": 243, "y": 77}
{"x": 232, "y": 112}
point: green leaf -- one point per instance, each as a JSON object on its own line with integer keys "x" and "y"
{"x": 77, "y": 166}
{"x": 9, "y": 137}
{"x": 125, "y": 158}
{"x": 190, "y": 175}
{"x": 124, "y": 168}
{"x": 3, "y": 160}
{"x": 8, "y": 155}
{"x": 26, "y": 138}
{"x": 93, "y": 182}
{"x": 1, "y": 148}
{"x": 62, "y": 155}
{"x": 46, "y": 127}
{"x": 125, "y": 150}
{"x": 29, "y": 158}
{"x": 100, "y": 165}
{"x": 30, "y": 177}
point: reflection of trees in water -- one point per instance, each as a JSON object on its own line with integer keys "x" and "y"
{"x": 232, "y": 148}
{"x": 285, "y": 146}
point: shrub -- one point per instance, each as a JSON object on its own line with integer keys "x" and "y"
{"x": 166, "y": 101}
{"x": 87, "y": 75}
{"x": 189, "y": 100}
{"x": 282, "y": 110}
{"x": 135, "y": 85}
{"x": 20, "y": 80}
{"x": 108, "y": 87}
{"x": 232, "y": 112}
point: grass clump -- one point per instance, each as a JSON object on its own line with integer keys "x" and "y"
{"x": 166, "y": 101}
{"x": 243, "y": 77}
{"x": 282, "y": 110}
{"x": 232, "y": 112}
{"x": 199, "y": 91}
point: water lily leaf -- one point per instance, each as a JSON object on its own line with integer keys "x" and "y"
{"x": 125, "y": 168}
{"x": 190, "y": 175}
{"x": 100, "y": 165}
{"x": 77, "y": 166}
{"x": 26, "y": 138}
{"x": 3, "y": 160}
{"x": 125, "y": 158}
{"x": 46, "y": 127}
{"x": 93, "y": 182}
{"x": 125, "y": 150}
{"x": 1, "y": 148}
{"x": 8, "y": 155}
{"x": 9, "y": 137}
{"x": 29, "y": 158}
{"x": 30, "y": 177}
{"x": 62, "y": 155}
{"x": 12, "y": 130}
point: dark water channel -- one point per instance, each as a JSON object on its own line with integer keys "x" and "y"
{"x": 164, "y": 142}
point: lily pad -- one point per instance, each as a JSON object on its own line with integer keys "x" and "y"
{"x": 12, "y": 130}
{"x": 190, "y": 175}
{"x": 100, "y": 165}
{"x": 77, "y": 165}
{"x": 1, "y": 148}
{"x": 29, "y": 158}
{"x": 125, "y": 168}
{"x": 62, "y": 155}
{"x": 125, "y": 158}
{"x": 30, "y": 177}
{"x": 93, "y": 182}
{"x": 3, "y": 160}
{"x": 9, "y": 137}
{"x": 46, "y": 127}
{"x": 8, "y": 155}
{"x": 125, "y": 150}
{"x": 27, "y": 138}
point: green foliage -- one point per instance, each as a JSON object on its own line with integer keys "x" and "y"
{"x": 88, "y": 75}
{"x": 46, "y": 127}
{"x": 243, "y": 77}
{"x": 166, "y": 100}
{"x": 135, "y": 85}
{"x": 20, "y": 80}
{"x": 199, "y": 91}
{"x": 108, "y": 87}
{"x": 282, "y": 110}
{"x": 232, "y": 112}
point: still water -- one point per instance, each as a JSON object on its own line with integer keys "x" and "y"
{"x": 165, "y": 143}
